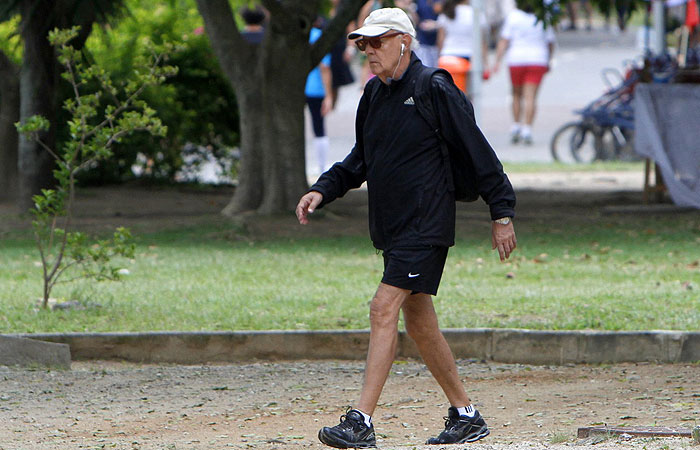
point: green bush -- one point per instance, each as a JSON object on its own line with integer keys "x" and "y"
{"x": 197, "y": 105}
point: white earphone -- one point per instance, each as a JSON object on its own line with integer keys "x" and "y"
{"x": 403, "y": 48}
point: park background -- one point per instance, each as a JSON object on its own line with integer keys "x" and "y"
{"x": 600, "y": 261}
{"x": 591, "y": 257}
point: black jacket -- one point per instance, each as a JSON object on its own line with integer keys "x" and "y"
{"x": 399, "y": 156}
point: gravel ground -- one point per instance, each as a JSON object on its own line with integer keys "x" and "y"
{"x": 282, "y": 405}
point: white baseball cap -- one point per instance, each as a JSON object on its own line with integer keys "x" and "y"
{"x": 382, "y": 20}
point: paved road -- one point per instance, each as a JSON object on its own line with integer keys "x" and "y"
{"x": 574, "y": 81}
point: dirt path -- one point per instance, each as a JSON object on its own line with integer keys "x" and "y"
{"x": 282, "y": 405}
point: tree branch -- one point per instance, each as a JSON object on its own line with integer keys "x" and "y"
{"x": 47, "y": 148}
{"x": 121, "y": 107}
{"x": 348, "y": 10}
{"x": 223, "y": 33}
{"x": 63, "y": 269}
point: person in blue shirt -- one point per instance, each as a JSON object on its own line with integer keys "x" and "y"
{"x": 426, "y": 31}
{"x": 319, "y": 97}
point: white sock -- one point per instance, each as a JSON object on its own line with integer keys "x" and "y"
{"x": 322, "y": 143}
{"x": 526, "y": 131}
{"x": 368, "y": 419}
{"x": 515, "y": 128}
{"x": 468, "y": 411}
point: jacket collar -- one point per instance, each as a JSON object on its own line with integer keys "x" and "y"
{"x": 391, "y": 82}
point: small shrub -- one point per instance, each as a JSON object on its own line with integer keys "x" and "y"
{"x": 93, "y": 132}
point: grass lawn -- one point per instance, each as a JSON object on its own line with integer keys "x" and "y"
{"x": 596, "y": 166}
{"x": 575, "y": 268}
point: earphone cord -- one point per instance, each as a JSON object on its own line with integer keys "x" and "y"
{"x": 397, "y": 66}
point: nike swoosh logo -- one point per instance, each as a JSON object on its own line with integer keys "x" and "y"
{"x": 413, "y": 275}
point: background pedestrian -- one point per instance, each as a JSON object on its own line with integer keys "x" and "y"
{"x": 456, "y": 36}
{"x": 528, "y": 48}
{"x": 319, "y": 98}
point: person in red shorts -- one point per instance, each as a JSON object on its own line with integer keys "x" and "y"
{"x": 528, "y": 48}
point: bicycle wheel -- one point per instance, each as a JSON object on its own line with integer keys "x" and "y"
{"x": 574, "y": 142}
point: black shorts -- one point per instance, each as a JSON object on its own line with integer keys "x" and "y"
{"x": 418, "y": 269}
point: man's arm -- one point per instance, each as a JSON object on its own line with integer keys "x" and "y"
{"x": 343, "y": 176}
{"x": 340, "y": 178}
{"x": 459, "y": 128}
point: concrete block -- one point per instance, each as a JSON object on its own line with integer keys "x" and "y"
{"x": 464, "y": 343}
{"x": 690, "y": 348}
{"x": 632, "y": 346}
{"x": 472, "y": 343}
{"x": 201, "y": 347}
{"x": 18, "y": 351}
{"x": 534, "y": 346}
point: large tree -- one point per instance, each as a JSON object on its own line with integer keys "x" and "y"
{"x": 9, "y": 114}
{"x": 39, "y": 79}
{"x": 269, "y": 82}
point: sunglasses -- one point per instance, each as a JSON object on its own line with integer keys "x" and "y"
{"x": 375, "y": 42}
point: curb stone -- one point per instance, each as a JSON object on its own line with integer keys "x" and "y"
{"x": 500, "y": 345}
{"x": 24, "y": 352}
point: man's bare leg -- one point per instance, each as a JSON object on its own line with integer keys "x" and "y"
{"x": 383, "y": 338}
{"x": 462, "y": 426}
{"x": 422, "y": 326}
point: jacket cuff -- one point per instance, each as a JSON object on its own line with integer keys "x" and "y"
{"x": 499, "y": 210}
{"x": 321, "y": 191}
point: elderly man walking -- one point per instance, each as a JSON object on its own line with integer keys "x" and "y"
{"x": 411, "y": 217}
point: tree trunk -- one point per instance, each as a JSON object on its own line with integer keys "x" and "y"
{"x": 9, "y": 115}
{"x": 287, "y": 65}
{"x": 37, "y": 97}
{"x": 269, "y": 82}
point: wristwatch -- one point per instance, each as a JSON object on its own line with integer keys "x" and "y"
{"x": 503, "y": 221}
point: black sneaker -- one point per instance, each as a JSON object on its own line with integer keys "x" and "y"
{"x": 351, "y": 432}
{"x": 461, "y": 429}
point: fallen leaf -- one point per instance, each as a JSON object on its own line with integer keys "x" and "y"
{"x": 542, "y": 258}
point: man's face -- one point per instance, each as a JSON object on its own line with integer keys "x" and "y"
{"x": 383, "y": 60}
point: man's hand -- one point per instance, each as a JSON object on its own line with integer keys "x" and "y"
{"x": 307, "y": 204}
{"x": 503, "y": 239}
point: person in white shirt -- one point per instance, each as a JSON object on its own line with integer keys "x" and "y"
{"x": 528, "y": 47}
{"x": 455, "y": 31}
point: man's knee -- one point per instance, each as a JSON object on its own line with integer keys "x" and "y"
{"x": 382, "y": 312}
{"x": 385, "y": 306}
